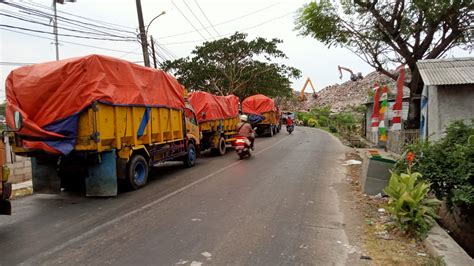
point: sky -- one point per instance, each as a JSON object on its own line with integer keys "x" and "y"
{"x": 178, "y": 32}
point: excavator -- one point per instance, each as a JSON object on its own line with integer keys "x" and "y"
{"x": 302, "y": 96}
{"x": 354, "y": 77}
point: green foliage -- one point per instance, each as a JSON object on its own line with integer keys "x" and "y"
{"x": 410, "y": 204}
{"x": 230, "y": 66}
{"x": 387, "y": 33}
{"x": 332, "y": 129}
{"x": 448, "y": 164}
{"x": 2, "y": 109}
{"x": 313, "y": 123}
{"x": 323, "y": 121}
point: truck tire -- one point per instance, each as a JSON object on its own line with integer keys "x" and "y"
{"x": 137, "y": 172}
{"x": 221, "y": 149}
{"x": 190, "y": 159}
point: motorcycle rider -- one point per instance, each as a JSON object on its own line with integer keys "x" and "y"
{"x": 289, "y": 122}
{"x": 244, "y": 129}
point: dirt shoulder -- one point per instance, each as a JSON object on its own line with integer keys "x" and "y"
{"x": 376, "y": 237}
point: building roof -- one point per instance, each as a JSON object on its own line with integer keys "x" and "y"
{"x": 449, "y": 71}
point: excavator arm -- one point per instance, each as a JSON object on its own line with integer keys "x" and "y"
{"x": 354, "y": 77}
{"x": 308, "y": 81}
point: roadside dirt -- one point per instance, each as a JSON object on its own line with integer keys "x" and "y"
{"x": 380, "y": 241}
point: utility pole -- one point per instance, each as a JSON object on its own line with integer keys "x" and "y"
{"x": 143, "y": 37}
{"x": 55, "y": 30}
{"x": 153, "y": 50}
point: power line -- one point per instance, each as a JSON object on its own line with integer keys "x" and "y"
{"x": 15, "y": 64}
{"x": 37, "y": 12}
{"x": 73, "y": 43}
{"x": 190, "y": 23}
{"x": 202, "y": 25}
{"x": 241, "y": 30}
{"x": 64, "y": 28}
{"x": 91, "y": 19}
{"x": 65, "y": 35}
{"x": 222, "y": 23}
{"x": 207, "y": 18}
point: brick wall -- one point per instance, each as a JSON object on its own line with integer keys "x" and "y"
{"x": 20, "y": 167}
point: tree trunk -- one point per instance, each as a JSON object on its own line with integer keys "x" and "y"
{"x": 416, "y": 88}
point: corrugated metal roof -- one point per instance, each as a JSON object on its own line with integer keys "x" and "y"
{"x": 447, "y": 71}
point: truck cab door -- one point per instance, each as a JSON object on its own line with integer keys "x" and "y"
{"x": 192, "y": 125}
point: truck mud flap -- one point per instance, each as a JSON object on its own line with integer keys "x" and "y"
{"x": 102, "y": 177}
{"x": 45, "y": 176}
{"x": 5, "y": 207}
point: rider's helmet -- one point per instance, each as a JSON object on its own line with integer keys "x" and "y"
{"x": 244, "y": 118}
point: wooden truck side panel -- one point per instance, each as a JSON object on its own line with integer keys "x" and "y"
{"x": 105, "y": 127}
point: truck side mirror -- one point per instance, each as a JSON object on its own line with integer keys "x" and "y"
{"x": 18, "y": 121}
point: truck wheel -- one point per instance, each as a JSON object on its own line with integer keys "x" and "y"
{"x": 222, "y": 146}
{"x": 137, "y": 172}
{"x": 190, "y": 158}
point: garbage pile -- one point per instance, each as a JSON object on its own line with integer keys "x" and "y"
{"x": 349, "y": 93}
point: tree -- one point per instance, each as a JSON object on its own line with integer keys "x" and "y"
{"x": 391, "y": 32}
{"x": 231, "y": 66}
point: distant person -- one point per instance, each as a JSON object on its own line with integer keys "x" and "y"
{"x": 289, "y": 121}
{"x": 244, "y": 129}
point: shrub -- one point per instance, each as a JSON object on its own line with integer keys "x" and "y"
{"x": 313, "y": 123}
{"x": 447, "y": 164}
{"x": 332, "y": 129}
{"x": 410, "y": 205}
{"x": 323, "y": 121}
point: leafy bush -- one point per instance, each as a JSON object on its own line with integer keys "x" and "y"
{"x": 323, "y": 121}
{"x": 332, "y": 129}
{"x": 410, "y": 205}
{"x": 447, "y": 164}
{"x": 313, "y": 123}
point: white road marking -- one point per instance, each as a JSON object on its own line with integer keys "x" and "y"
{"x": 96, "y": 229}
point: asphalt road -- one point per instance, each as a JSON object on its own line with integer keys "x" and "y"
{"x": 280, "y": 207}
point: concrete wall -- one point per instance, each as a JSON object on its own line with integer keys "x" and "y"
{"x": 20, "y": 167}
{"x": 447, "y": 104}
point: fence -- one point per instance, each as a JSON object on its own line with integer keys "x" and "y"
{"x": 397, "y": 140}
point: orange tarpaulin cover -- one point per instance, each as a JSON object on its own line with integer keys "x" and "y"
{"x": 214, "y": 107}
{"x": 258, "y": 104}
{"x": 51, "y": 95}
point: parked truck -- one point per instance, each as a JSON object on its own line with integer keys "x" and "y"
{"x": 97, "y": 121}
{"x": 218, "y": 117}
{"x": 263, "y": 106}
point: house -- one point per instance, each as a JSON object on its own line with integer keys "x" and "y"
{"x": 448, "y": 94}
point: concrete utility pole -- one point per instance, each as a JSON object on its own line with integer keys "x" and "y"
{"x": 55, "y": 30}
{"x": 153, "y": 50}
{"x": 143, "y": 37}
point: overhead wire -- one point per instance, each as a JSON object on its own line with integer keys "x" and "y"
{"x": 64, "y": 35}
{"x": 73, "y": 43}
{"x": 241, "y": 30}
{"x": 190, "y": 23}
{"x": 50, "y": 15}
{"x": 208, "y": 21}
{"x": 222, "y": 23}
{"x": 64, "y": 28}
{"x": 202, "y": 25}
{"x": 77, "y": 16}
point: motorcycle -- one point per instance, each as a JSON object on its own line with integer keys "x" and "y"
{"x": 242, "y": 147}
{"x": 290, "y": 129}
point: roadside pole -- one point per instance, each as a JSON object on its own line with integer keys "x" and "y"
{"x": 143, "y": 37}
